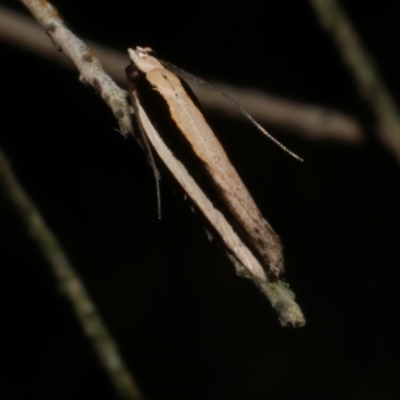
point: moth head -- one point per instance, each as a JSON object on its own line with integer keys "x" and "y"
{"x": 144, "y": 51}
{"x": 142, "y": 58}
{"x": 132, "y": 73}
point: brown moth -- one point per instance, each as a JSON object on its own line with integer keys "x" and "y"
{"x": 192, "y": 153}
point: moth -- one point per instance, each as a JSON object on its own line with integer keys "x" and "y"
{"x": 188, "y": 147}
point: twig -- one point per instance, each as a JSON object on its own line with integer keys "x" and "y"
{"x": 282, "y": 299}
{"x": 84, "y": 59}
{"x": 278, "y": 293}
{"x": 333, "y": 17}
{"x": 309, "y": 121}
{"x": 70, "y": 283}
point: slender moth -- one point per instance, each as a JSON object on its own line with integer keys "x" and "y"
{"x": 188, "y": 147}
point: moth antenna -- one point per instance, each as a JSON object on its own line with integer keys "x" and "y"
{"x": 150, "y": 155}
{"x": 198, "y": 81}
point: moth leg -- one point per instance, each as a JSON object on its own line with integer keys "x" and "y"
{"x": 152, "y": 162}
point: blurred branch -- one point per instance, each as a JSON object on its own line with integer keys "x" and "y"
{"x": 333, "y": 17}
{"x": 70, "y": 283}
{"x": 309, "y": 121}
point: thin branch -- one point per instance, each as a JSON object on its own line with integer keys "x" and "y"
{"x": 309, "y": 121}
{"x": 370, "y": 83}
{"x": 278, "y": 293}
{"x": 84, "y": 58}
{"x": 283, "y": 301}
{"x": 70, "y": 283}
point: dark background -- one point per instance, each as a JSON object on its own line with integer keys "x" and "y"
{"x": 187, "y": 327}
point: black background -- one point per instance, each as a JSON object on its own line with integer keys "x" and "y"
{"x": 187, "y": 327}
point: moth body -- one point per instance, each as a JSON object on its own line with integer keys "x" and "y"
{"x": 190, "y": 149}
